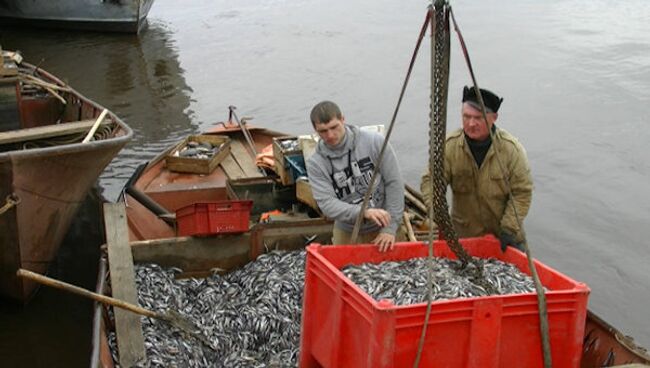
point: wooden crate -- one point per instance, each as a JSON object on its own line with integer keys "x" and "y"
{"x": 8, "y": 66}
{"x": 279, "y": 154}
{"x": 304, "y": 193}
{"x": 197, "y": 165}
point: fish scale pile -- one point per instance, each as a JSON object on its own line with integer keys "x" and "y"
{"x": 405, "y": 282}
{"x": 251, "y": 317}
{"x": 198, "y": 150}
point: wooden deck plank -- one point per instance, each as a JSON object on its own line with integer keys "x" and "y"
{"x": 48, "y": 131}
{"x": 231, "y": 167}
{"x": 128, "y": 327}
{"x": 193, "y": 254}
{"x": 244, "y": 159}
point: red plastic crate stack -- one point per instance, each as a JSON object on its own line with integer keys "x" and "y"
{"x": 344, "y": 327}
{"x": 217, "y": 217}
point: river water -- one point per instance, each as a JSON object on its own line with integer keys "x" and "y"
{"x": 573, "y": 74}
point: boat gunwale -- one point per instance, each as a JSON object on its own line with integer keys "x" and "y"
{"x": 98, "y": 308}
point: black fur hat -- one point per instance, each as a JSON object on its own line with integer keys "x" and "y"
{"x": 492, "y": 101}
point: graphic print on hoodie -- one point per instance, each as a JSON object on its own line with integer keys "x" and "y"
{"x": 340, "y": 175}
{"x": 351, "y": 183}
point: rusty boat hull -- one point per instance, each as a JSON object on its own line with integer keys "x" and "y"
{"x": 49, "y": 182}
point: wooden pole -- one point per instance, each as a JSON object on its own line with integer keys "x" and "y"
{"x": 416, "y": 202}
{"x": 92, "y": 131}
{"x": 409, "y": 228}
{"x": 85, "y": 293}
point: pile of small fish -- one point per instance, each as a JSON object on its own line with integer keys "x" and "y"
{"x": 289, "y": 145}
{"x": 250, "y": 316}
{"x": 194, "y": 149}
{"x": 405, "y": 282}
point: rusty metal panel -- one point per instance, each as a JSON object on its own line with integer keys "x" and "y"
{"x": 40, "y": 110}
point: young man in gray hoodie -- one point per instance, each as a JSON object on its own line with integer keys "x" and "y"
{"x": 339, "y": 173}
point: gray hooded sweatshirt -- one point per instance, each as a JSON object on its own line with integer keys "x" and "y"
{"x": 340, "y": 175}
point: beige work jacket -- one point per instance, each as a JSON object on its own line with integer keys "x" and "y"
{"x": 480, "y": 201}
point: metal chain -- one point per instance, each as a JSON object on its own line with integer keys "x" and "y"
{"x": 437, "y": 136}
{"x": 439, "y": 209}
{"x": 10, "y": 201}
{"x": 541, "y": 296}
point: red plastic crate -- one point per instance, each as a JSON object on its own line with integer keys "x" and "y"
{"x": 342, "y": 326}
{"x": 217, "y": 217}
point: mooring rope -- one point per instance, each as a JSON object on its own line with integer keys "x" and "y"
{"x": 366, "y": 197}
{"x": 102, "y": 133}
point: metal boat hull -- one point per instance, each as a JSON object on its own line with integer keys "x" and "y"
{"x": 50, "y": 184}
{"x": 106, "y": 15}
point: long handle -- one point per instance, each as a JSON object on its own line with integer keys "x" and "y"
{"x": 409, "y": 228}
{"x": 83, "y": 292}
{"x": 246, "y": 133}
{"x": 95, "y": 126}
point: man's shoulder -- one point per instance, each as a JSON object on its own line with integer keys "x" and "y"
{"x": 316, "y": 159}
{"x": 454, "y": 136}
{"x": 509, "y": 139}
{"x": 368, "y": 134}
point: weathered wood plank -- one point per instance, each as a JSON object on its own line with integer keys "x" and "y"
{"x": 128, "y": 327}
{"x": 244, "y": 159}
{"x": 288, "y": 231}
{"x": 200, "y": 254}
{"x": 195, "y": 254}
{"x": 231, "y": 167}
{"x": 48, "y": 131}
{"x": 304, "y": 194}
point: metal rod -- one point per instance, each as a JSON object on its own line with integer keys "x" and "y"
{"x": 245, "y": 132}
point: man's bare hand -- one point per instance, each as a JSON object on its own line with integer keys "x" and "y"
{"x": 378, "y": 216}
{"x": 385, "y": 242}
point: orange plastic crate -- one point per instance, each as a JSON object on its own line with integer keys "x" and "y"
{"x": 342, "y": 326}
{"x": 217, "y": 217}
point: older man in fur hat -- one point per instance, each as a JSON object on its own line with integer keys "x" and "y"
{"x": 481, "y": 200}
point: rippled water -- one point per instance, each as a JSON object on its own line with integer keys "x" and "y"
{"x": 574, "y": 75}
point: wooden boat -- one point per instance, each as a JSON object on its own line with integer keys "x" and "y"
{"x": 154, "y": 192}
{"x": 117, "y": 16}
{"x": 45, "y": 169}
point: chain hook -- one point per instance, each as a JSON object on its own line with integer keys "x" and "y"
{"x": 10, "y": 201}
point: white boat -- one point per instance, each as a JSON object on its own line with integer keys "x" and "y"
{"x": 96, "y": 15}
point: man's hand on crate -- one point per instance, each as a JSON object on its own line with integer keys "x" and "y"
{"x": 381, "y": 217}
{"x": 508, "y": 239}
{"x": 385, "y": 242}
{"x": 378, "y": 216}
